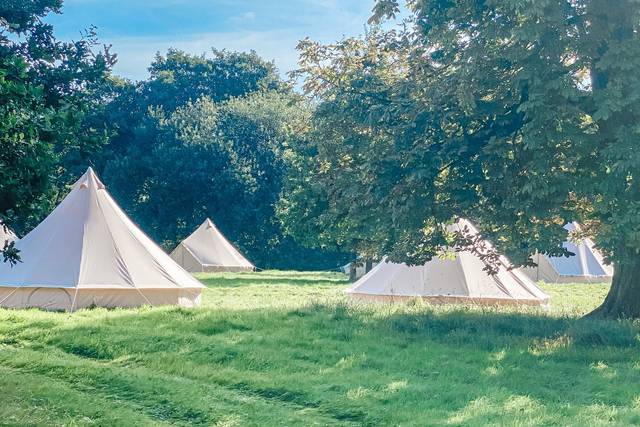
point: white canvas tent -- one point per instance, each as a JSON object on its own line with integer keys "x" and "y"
{"x": 586, "y": 266}
{"x": 88, "y": 252}
{"x": 207, "y": 250}
{"x": 459, "y": 278}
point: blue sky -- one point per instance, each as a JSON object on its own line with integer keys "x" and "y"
{"x": 137, "y": 29}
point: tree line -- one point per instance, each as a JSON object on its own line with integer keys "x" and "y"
{"x": 203, "y": 136}
{"x": 520, "y": 116}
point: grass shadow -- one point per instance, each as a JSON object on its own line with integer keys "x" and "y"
{"x": 262, "y": 281}
{"x": 349, "y": 363}
{"x": 269, "y": 278}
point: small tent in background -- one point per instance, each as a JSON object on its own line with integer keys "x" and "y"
{"x": 207, "y": 250}
{"x": 88, "y": 252}
{"x": 6, "y": 236}
{"x": 461, "y": 279}
{"x": 586, "y": 266}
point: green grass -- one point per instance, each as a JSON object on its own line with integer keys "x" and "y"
{"x": 286, "y": 348}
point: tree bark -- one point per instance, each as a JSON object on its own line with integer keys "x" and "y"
{"x": 623, "y": 299}
{"x": 368, "y": 264}
{"x": 352, "y": 271}
{"x": 610, "y": 25}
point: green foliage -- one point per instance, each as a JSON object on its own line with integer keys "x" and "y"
{"x": 179, "y": 77}
{"x": 202, "y": 137}
{"x": 48, "y": 89}
{"x": 221, "y": 160}
{"x": 285, "y": 348}
{"x": 207, "y": 137}
{"x": 518, "y": 116}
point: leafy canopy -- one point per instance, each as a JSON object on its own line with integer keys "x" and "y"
{"x": 520, "y": 116}
{"x": 207, "y": 137}
{"x": 47, "y": 91}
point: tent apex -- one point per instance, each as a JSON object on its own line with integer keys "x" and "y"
{"x": 206, "y": 249}
{"x": 90, "y": 180}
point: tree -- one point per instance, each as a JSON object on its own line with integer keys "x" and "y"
{"x": 221, "y": 160}
{"x": 47, "y": 90}
{"x": 206, "y": 137}
{"x": 518, "y": 116}
{"x": 179, "y": 77}
{"x": 175, "y": 171}
{"x": 176, "y": 79}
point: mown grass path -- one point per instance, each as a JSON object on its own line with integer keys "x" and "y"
{"x": 286, "y": 348}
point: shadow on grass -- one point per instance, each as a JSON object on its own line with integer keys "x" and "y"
{"x": 262, "y": 279}
{"x": 341, "y": 361}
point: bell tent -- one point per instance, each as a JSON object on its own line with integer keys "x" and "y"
{"x": 458, "y": 279}
{"x": 585, "y": 266}
{"x": 88, "y": 252}
{"x": 207, "y": 250}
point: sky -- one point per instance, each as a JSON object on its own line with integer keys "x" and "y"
{"x": 137, "y": 29}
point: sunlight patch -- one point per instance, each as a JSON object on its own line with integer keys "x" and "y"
{"x": 521, "y": 405}
{"x": 346, "y": 362}
{"x": 475, "y": 408}
{"x": 599, "y": 366}
{"x": 605, "y": 370}
{"x": 484, "y": 407}
{"x": 499, "y": 355}
{"x": 492, "y": 371}
{"x": 351, "y": 361}
{"x": 358, "y": 393}
{"x": 230, "y": 421}
{"x": 396, "y": 386}
{"x": 547, "y": 346}
{"x": 601, "y": 412}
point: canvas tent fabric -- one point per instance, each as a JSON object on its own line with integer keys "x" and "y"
{"x": 88, "y": 252}
{"x": 458, "y": 278}
{"x": 207, "y": 250}
{"x": 585, "y": 266}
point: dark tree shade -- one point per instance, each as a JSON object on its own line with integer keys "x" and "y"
{"x": 206, "y": 137}
{"x": 520, "y": 116}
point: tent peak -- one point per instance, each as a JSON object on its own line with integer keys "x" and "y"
{"x": 89, "y": 180}
{"x": 206, "y": 249}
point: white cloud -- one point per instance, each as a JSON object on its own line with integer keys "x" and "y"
{"x": 249, "y": 16}
{"x": 321, "y": 20}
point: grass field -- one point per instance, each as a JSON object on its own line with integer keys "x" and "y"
{"x": 286, "y": 348}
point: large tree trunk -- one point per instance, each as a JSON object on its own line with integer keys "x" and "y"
{"x": 611, "y": 25}
{"x": 368, "y": 264}
{"x": 352, "y": 271}
{"x": 623, "y": 300}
